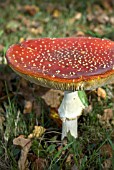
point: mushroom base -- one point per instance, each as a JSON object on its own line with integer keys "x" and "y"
{"x": 70, "y": 108}
{"x": 70, "y": 126}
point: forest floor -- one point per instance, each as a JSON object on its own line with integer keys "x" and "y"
{"x": 30, "y": 129}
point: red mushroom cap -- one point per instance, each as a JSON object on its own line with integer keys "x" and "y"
{"x": 64, "y": 63}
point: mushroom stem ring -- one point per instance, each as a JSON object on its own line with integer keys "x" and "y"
{"x": 70, "y": 108}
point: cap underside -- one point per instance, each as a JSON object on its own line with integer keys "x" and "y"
{"x": 70, "y": 86}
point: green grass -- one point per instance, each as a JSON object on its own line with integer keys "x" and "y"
{"x": 85, "y": 152}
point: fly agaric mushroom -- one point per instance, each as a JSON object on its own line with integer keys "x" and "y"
{"x": 69, "y": 64}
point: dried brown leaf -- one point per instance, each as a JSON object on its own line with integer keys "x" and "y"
{"x": 25, "y": 145}
{"x": 103, "y": 19}
{"x": 21, "y": 40}
{"x": 107, "y": 164}
{"x": 56, "y": 13}
{"x": 106, "y": 117}
{"x": 99, "y": 29}
{"x": 55, "y": 116}
{"x": 76, "y": 17}
{"x": 36, "y": 31}
{"x": 108, "y": 4}
{"x": 60, "y": 148}
{"x": 27, "y": 107}
{"x": 2, "y": 119}
{"x": 108, "y": 114}
{"x": 12, "y": 25}
{"x": 101, "y": 93}
{"x": 69, "y": 158}
{"x": 31, "y": 9}
{"x": 97, "y": 9}
{"x": 52, "y": 97}
{"x": 112, "y": 20}
{"x": 80, "y": 33}
{"x": 37, "y": 132}
{"x": 1, "y": 47}
{"x": 90, "y": 17}
{"x": 106, "y": 151}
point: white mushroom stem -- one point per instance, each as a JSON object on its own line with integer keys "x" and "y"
{"x": 70, "y": 108}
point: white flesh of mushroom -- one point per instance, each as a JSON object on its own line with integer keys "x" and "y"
{"x": 70, "y": 108}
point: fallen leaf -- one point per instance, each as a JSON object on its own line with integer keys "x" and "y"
{"x": 52, "y": 97}
{"x": 80, "y": 33}
{"x": 12, "y": 26}
{"x": 103, "y": 19}
{"x": 107, "y": 164}
{"x": 37, "y": 132}
{"x": 31, "y": 9}
{"x": 76, "y": 17}
{"x": 55, "y": 116}
{"x": 1, "y": 47}
{"x": 112, "y": 122}
{"x": 112, "y": 20}
{"x": 90, "y": 17}
{"x": 99, "y": 29}
{"x": 108, "y": 4}
{"x": 2, "y": 119}
{"x": 98, "y": 10}
{"x": 21, "y": 40}
{"x": 101, "y": 93}
{"x": 25, "y": 145}
{"x": 106, "y": 151}
{"x": 61, "y": 148}
{"x": 27, "y": 107}
{"x": 56, "y": 13}
{"x": 69, "y": 158}
{"x": 36, "y": 31}
{"x": 106, "y": 117}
